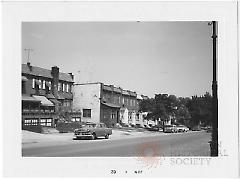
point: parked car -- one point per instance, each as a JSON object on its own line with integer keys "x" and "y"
{"x": 196, "y": 128}
{"x": 125, "y": 125}
{"x": 182, "y": 128}
{"x": 146, "y": 126}
{"x": 209, "y": 129}
{"x": 117, "y": 125}
{"x": 154, "y": 128}
{"x": 93, "y": 131}
{"x": 170, "y": 129}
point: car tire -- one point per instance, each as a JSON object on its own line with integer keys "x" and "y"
{"x": 107, "y": 136}
{"x": 94, "y": 136}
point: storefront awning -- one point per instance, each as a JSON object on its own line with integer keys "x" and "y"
{"x": 24, "y": 78}
{"x": 30, "y": 99}
{"x": 44, "y": 100}
{"x": 60, "y": 96}
{"x": 50, "y": 96}
{"x": 56, "y": 102}
{"x": 111, "y": 105}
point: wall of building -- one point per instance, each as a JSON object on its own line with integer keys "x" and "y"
{"x": 87, "y": 96}
{"x": 109, "y": 116}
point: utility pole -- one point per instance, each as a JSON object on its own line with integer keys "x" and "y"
{"x": 28, "y": 52}
{"x": 214, "y": 142}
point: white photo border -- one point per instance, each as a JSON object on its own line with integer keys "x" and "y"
{"x": 14, "y": 13}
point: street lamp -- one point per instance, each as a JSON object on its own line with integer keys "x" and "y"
{"x": 214, "y": 142}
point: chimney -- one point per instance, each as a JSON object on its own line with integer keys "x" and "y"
{"x": 29, "y": 66}
{"x": 55, "y": 72}
{"x": 72, "y": 76}
{"x": 55, "y": 75}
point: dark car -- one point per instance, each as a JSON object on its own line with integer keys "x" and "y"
{"x": 93, "y": 131}
{"x": 196, "y": 128}
{"x": 154, "y": 128}
{"x": 209, "y": 129}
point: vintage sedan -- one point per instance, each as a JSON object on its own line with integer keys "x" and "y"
{"x": 170, "y": 129}
{"x": 182, "y": 128}
{"x": 93, "y": 131}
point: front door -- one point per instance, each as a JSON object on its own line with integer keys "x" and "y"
{"x": 118, "y": 116}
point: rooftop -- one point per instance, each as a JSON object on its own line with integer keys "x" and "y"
{"x": 38, "y": 71}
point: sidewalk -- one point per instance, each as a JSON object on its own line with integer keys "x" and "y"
{"x": 32, "y": 137}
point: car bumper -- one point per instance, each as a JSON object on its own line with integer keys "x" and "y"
{"x": 82, "y": 135}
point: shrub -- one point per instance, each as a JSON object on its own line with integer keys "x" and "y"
{"x": 63, "y": 127}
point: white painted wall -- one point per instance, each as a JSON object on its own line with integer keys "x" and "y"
{"x": 133, "y": 118}
{"x": 139, "y": 119}
{"x": 87, "y": 96}
{"x": 124, "y": 115}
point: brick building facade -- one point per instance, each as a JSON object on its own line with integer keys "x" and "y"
{"x": 106, "y": 103}
{"x": 45, "y": 94}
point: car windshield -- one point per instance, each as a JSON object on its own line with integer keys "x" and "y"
{"x": 88, "y": 125}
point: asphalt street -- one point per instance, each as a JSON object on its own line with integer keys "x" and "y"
{"x": 179, "y": 144}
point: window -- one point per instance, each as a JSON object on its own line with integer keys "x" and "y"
{"x": 46, "y": 122}
{"x": 123, "y": 100}
{"x": 31, "y": 122}
{"x": 67, "y": 87}
{"x": 43, "y": 85}
{"x": 59, "y": 86}
{"x": 23, "y": 87}
{"x": 86, "y": 112}
{"x": 113, "y": 115}
{"x": 40, "y": 84}
{"x": 75, "y": 119}
{"x": 50, "y": 84}
{"x": 63, "y": 87}
{"x": 33, "y": 83}
{"x": 119, "y": 99}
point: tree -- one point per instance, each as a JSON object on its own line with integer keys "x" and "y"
{"x": 146, "y": 105}
{"x": 200, "y": 109}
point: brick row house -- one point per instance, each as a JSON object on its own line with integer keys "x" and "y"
{"x": 106, "y": 103}
{"x": 45, "y": 95}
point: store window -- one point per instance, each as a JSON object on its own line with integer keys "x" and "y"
{"x": 87, "y": 113}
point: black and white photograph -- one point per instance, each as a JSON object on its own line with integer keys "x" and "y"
{"x": 127, "y": 88}
{"x": 130, "y": 89}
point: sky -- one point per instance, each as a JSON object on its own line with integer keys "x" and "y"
{"x": 146, "y": 57}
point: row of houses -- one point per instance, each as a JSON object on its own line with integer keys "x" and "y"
{"x": 49, "y": 95}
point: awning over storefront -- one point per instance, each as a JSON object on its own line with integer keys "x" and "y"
{"x": 67, "y": 95}
{"x": 56, "y": 102}
{"x": 60, "y": 96}
{"x": 24, "y": 78}
{"x": 50, "y": 96}
{"x": 111, "y": 105}
{"x": 30, "y": 99}
{"x": 44, "y": 100}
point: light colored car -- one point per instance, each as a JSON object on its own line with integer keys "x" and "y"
{"x": 93, "y": 131}
{"x": 170, "y": 129}
{"x": 182, "y": 128}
